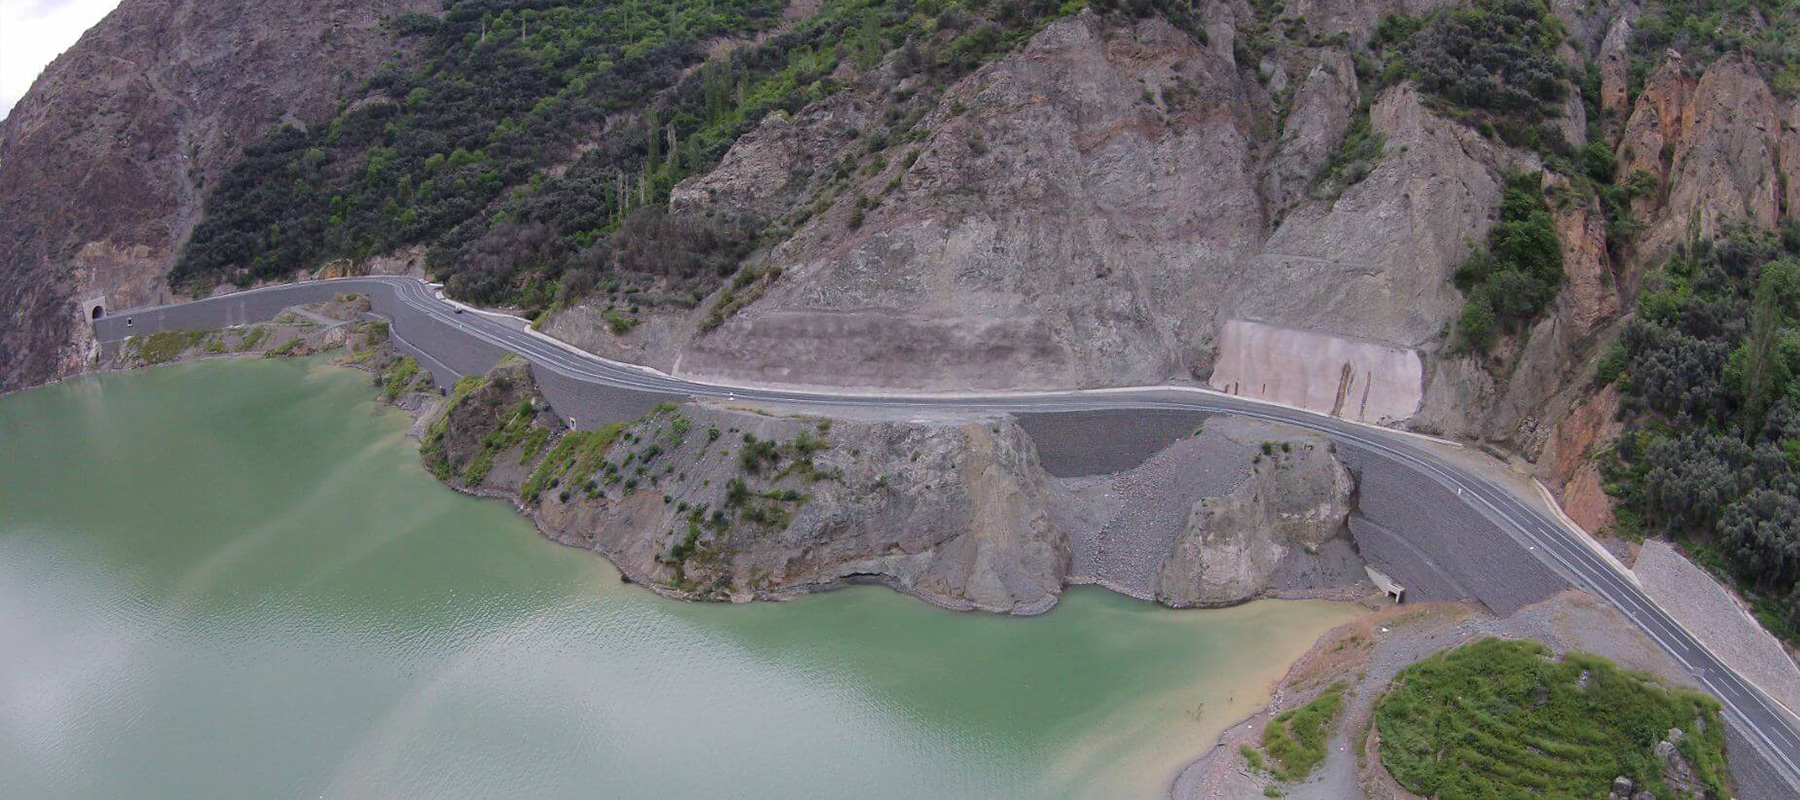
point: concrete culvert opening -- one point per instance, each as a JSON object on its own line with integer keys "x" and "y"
{"x": 1387, "y": 585}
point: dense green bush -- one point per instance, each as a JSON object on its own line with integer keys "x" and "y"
{"x": 1511, "y": 280}
{"x": 1711, "y": 453}
{"x": 1703, "y": 30}
{"x": 506, "y": 90}
{"x": 1493, "y": 62}
{"x": 1497, "y": 56}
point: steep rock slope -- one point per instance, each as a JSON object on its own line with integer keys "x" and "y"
{"x": 105, "y": 163}
{"x": 1070, "y": 202}
{"x": 1296, "y": 491}
{"x": 1230, "y": 195}
{"x": 1094, "y": 209}
{"x": 1716, "y": 141}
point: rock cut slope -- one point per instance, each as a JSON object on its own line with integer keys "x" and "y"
{"x": 1093, "y": 210}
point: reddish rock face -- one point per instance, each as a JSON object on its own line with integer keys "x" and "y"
{"x": 105, "y": 163}
{"x": 1570, "y": 466}
{"x": 1716, "y": 143}
{"x": 1590, "y": 294}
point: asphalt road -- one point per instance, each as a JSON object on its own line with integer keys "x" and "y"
{"x": 469, "y": 342}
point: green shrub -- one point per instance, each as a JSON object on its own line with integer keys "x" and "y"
{"x": 1476, "y": 328}
{"x": 1295, "y": 740}
{"x": 578, "y": 452}
{"x": 400, "y": 375}
{"x": 161, "y": 348}
{"x": 1511, "y": 280}
{"x": 618, "y": 323}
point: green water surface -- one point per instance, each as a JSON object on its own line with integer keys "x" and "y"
{"x": 233, "y": 579}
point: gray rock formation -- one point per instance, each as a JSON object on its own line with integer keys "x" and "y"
{"x": 1094, "y": 210}
{"x": 1297, "y": 496}
{"x": 1070, "y": 208}
{"x": 712, "y": 501}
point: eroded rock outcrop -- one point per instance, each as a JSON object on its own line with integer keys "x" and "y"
{"x": 710, "y": 501}
{"x": 1297, "y": 497}
{"x": 1714, "y": 142}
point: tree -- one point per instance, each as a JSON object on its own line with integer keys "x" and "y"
{"x": 1763, "y": 529}
{"x": 1476, "y": 325}
{"x": 1762, "y": 369}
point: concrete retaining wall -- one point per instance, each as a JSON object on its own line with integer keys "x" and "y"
{"x": 1343, "y": 377}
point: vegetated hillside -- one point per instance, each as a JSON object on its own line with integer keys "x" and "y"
{"x": 534, "y": 145}
{"x": 105, "y": 162}
{"x": 1509, "y": 719}
{"x": 1710, "y": 450}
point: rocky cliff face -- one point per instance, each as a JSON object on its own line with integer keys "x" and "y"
{"x": 1715, "y": 143}
{"x": 105, "y": 163}
{"x": 718, "y": 502}
{"x": 1094, "y": 210}
{"x": 1068, "y": 201}
{"x": 1297, "y": 492}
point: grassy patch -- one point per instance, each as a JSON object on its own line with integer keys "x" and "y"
{"x": 517, "y": 427}
{"x": 161, "y": 348}
{"x": 1357, "y": 156}
{"x": 1503, "y": 718}
{"x": 743, "y": 290}
{"x": 620, "y": 324}
{"x": 286, "y": 348}
{"x": 399, "y": 376}
{"x": 533, "y": 444}
{"x": 1295, "y": 740}
{"x": 1251, "y": 757}
{"x": 251, "y": 339}
{"x": 375, "y": 333}
{"x": 579, "y": 451}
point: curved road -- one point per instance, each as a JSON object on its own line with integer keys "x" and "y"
{"x": 455, "y": 334}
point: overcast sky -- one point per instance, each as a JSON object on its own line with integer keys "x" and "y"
{"x": 33, "y": 33}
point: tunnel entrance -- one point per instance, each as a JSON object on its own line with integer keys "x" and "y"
{"x": 99, "y": 311}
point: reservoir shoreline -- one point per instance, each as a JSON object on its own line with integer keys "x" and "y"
{"x": 221, "y": 573}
